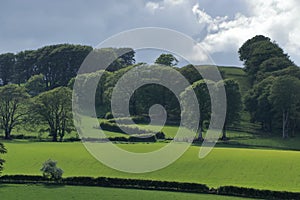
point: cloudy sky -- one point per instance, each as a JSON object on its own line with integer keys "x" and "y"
{"x": 219, "y": 26}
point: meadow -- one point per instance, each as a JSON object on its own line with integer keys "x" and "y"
{"x": 261, "y": 169}
{"x": 75, "y": 192}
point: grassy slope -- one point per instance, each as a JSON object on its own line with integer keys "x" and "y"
{"x": 265, "y": 169}
{"x": 237, "y": 74}
{"x": 10, "y": 192}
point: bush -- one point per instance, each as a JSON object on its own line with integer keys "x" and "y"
{"x": 108, "y": 126}
{"x": 160, "y": 135}
{"x": 127, "y": 120}
{"x": 142, "y": 139}
{"x": 254, "y": 193}
{"x": 51, "y": 171}
{"x": 108, "y": 115}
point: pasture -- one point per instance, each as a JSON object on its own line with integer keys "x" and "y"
{"x": 261, "y": 169}
{"x": 73, "y": 192}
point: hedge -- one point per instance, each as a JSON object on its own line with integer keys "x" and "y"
{"x": 111, "y": 182}
{"x": 254, "y": 193}
{"x": 146, "y": 138}
{"x": 127, "y": 120}
{"x": 109, "y": 126}
{"x": 154, "y": 185}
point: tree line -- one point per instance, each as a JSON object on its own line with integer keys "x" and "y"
{"x": 35, "y": 92}
{"x": 37, "y": 87}
{"x": 274, "y": 100}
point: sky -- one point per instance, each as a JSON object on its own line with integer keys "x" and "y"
{"x": 219, "y": 26}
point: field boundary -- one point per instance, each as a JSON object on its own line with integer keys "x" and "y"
{"x": 151, "y": 185}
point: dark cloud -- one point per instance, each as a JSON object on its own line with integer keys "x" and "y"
{"x": 34, "y": 23}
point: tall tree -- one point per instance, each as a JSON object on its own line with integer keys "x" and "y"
{"x": 166, "y": 59}
{"x": 190, "y": 73}
{"x": 201, "y": 90}
{"x": 255, "y": 51}
{"x": 35, "y": 85}
{"x": 54, "y": 108}
{"x": 285, "y": 99}
{"x": 24, "y": 66}
{"x": 60, "y": 63}
{"x": 234, "y": 104}
{"x": 12, "y": 107}
{"x": 202, "y": 93}
{"x": 258, "y": 104}
{"x": 7, "y": 63}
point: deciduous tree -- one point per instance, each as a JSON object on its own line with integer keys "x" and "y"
{"x": 12, "y": 107}
{"x": 54, "y": 108}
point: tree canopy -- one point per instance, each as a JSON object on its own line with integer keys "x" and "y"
{"x": 166, "y": 59}
{"x": 260, "y": 54}
{"x": 12, "y": 107}
{"x": 54, "y": 108}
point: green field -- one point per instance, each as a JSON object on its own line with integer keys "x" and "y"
{"x": 73, "y": 192}
{"x": 262, "y": 169}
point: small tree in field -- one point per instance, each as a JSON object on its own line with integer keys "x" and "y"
{"x": 51, "y": 171}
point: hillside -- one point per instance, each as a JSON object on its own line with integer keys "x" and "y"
{"x": 237, "y": 74}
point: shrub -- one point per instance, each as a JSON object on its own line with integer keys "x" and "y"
{"x": 108, "y": 115}
{"x": 108, "y": 126}
{"x": 51, "y": 171}
{"x": 127, "y": 120}
{"x": 160, "y": 135}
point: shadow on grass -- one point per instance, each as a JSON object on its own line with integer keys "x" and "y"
{"x": 53, "y": 186}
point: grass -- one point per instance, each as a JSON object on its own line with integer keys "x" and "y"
{"x": 262, "y": 169}
{"x": 10, "y": 192}
{"x": 237, "y": 74}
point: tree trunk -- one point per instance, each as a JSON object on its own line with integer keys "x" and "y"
{"x": 200, "y": 133}
{"x": 54, "y": 136}
{"x": 285, "y": 116}
{"x": 294, "y": 125}
{"x": 224, "y": 136}
{"x": 7, "y": 134}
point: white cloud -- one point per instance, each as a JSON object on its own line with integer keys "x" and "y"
{"x": 152, "y": 6}
{"x": 277, "y": 19}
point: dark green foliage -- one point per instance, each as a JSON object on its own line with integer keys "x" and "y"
{"x": 109, "y": 59}
{"x": 12, "y": 107}
{"x": 150, "y": 138}
{"x": 2, "y": 151}
{"x": 234, "y": 104}
{"x": 160, "y": 136}
{"x": 51, "y": 171}
{"x": 7, "y": 62}
{"x": 254, "y": 193}
{"x": 261, "y": 55}
{"x": 201, "y": 90}
{"x": 257, "y": 103}
{"x": 108, "y": 115}
{"x": 36, "y": 85}
{"x": 135, "y": 119}
{"x": 155, "y": 185}
{"x": 58, "y": 64}
{"x": 24, "y": 66}
{"x": 54, "y": 109}
{"x": 114, "y": 182}
{"x": 190, "y": 73}
{"x": 166, "y": 59}
{"x": 285, "y": 99}
{"x": 121, "y": 128}
{"x": 275, "y": 78}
